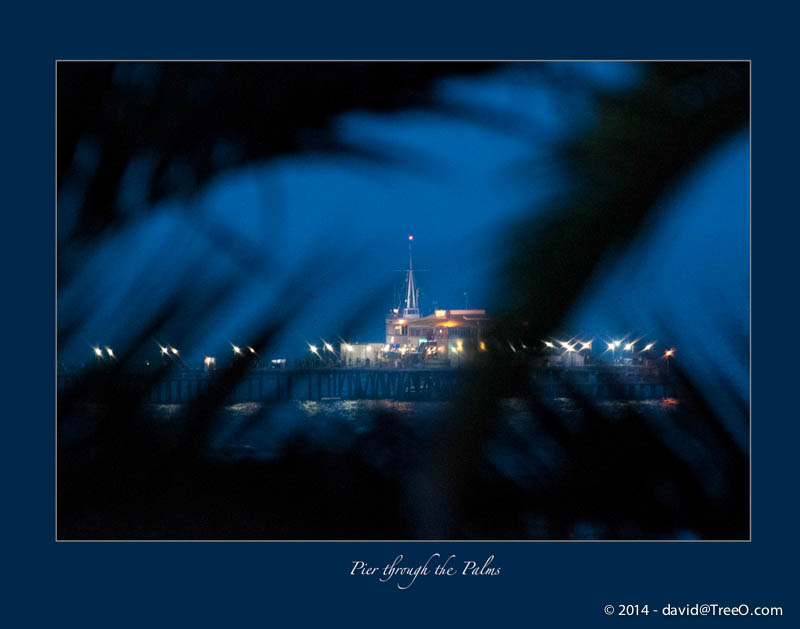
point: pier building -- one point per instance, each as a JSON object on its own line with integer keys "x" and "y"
{"x": 445, "y": 332}
{"x": 445, "y": 337}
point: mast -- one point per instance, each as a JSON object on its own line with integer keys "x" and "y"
{"x": 411, "y": 311}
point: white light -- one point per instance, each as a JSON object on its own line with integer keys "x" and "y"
{"x": 629, "y": 346}
{"x": 163, "y": 349}
{"x": 349, "y": 348}
{"x": 313, "y": 348}
{"x": 174, "y": 351}
{"x": 586, "y": 345}
{"x": 549, "y": 344}
{"x": 611, "y": 346}
{"x": 329, "y": 347}
{"x": 648, "y": 347}
{"x": 617, "y": 343}
{"x": 110, "y": 353}
{"x": 98, "y": 351}
{"x": 252, "y": 351}
{"x": 236, "y": 349}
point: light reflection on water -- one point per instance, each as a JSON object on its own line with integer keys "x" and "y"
{"x": 519, "y": 448}
{"x": 262, "y": 431}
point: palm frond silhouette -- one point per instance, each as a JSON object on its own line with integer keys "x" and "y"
{"x": 588, "y": 471}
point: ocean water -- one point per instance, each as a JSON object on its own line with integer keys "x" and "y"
{"x": 617, "y": 470}
{"x": 518, "y": 446}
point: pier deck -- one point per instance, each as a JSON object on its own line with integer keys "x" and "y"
{"x": 385, "y": 383}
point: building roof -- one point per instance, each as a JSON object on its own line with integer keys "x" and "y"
{"x": 451, "y": 318}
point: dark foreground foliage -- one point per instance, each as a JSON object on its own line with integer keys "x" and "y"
{"x": 583, "y": 473}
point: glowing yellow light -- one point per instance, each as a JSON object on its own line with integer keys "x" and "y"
{"x": 617, "y": 343}
{"x": 209, "y": 360}
{"x": 549, "y": 344}
{"x": 629, "y": 346}
{"x": 98, "y": 351}
{"x": 564, "y": 344}
{"x": 252, "y": 351}
{"x": 447, "y": 324}
{"x": 483, "y": 346}
{"x": 668, "y": 353}
{"x": 110, "y": 353}
{"x": 174, "y": 351}
{"x": 460, "y": 346}
{"x": 648, "y": 347}
{"x": 236, "y": 349}
{"x": 570, "y": 348}
{"x": 440, "y": 313}
{"x": 401, "y": 321}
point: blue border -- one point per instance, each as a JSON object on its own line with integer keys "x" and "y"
{"x": 542, "y": 584}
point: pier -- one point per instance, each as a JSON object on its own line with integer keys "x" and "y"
{"x": 298, "y": 384}
{"x": 385, "y": 383}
